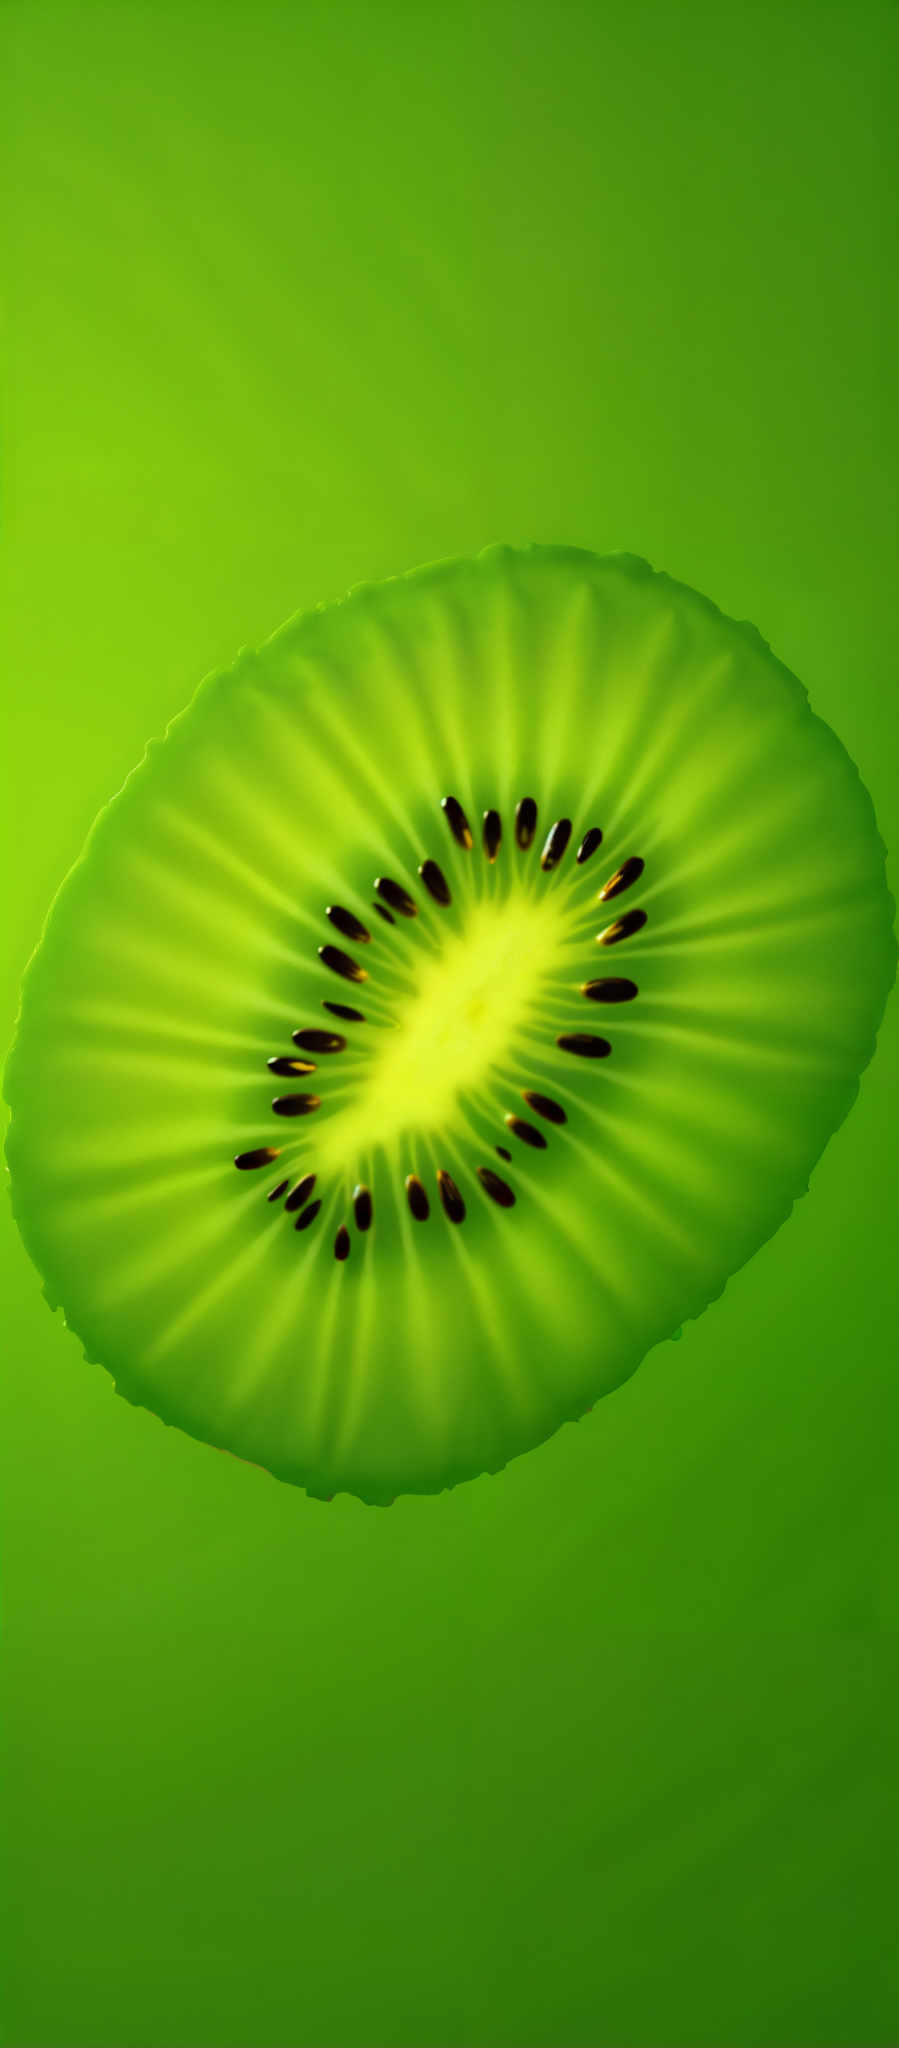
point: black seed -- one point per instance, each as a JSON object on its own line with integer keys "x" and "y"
{"x": 398, "y": 898}
{"x": 591, "y": 840}
{"x": 340, "y": 963}
{"x": 263, "y": 1156}
{"x": 628, "y": 873}
{"x": 493, "y": 832}
{"x": 543, "y": 1105}
{"x": 280, "y": 1190}
{"x": 386, "y": 914}
{"x": 362, "y": 1207}
{"x": 288, "y": 1066}
{"x": 450, "y": 1196}
{"x": 308, "y": 1216}
{"x": 611, "y": 989}
{"x": 416, "y": 1198}
{"x": 528, "y": 1133}
{"x": 301, "y": 1192}
{"x": 556, "y": 841}
{"x": 623, "y": 928}
{"x": 457, "y": 822}
{"x": 503, "y": 1151}
{"x": 319, "y": 1041}
{"x": 343, "y": 1010}
{"x": 342, "y": 1243}
{"x": 435, "y": 881}
{"x": 585, "y": 1045}
{"x": 498, "y": 1190}
{"x": 351, "y": 927}
{"x": 526, "y": 822}
{"x": 296, "y": 1105}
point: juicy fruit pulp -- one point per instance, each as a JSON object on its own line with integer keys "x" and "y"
{"x": 450, "y": 1027}
{"x": 520, "y": 934}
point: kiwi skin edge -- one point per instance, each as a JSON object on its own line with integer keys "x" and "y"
{"x": 184, "y": 951}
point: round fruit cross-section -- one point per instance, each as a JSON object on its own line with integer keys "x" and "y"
{"x": 455, "y": 997}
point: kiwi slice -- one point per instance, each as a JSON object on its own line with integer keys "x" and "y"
{"x": 455, "y": 997}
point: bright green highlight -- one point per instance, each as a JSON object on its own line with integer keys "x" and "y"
{"x": 467, "y": 1004}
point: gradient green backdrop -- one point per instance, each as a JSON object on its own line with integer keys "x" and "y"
{"x": 598, "y": 1753}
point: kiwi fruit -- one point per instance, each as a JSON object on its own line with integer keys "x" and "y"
{"x": 452, "y": 1000}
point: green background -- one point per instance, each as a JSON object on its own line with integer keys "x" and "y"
{"x": 597, "y": 1753}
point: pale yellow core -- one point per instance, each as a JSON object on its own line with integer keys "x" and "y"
{"x": 456, "y": 1025}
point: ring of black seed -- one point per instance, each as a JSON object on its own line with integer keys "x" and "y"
{"x": 543, "y": 1105}
{"x": 343, "y": 1010}
{"x": 450, "y": 1196}
{"x": 629, "y": 873}
{"x": 556, "y": 841}
{"x": 586, "y": 1045}
{"x": 526, "y": 823}
{"x": 457, "y": 822}
{"x": 493, "y": 832}
{"x": 398, "y": 898}
{"x": 591, "y": 840}
{"x": 351, "y": 926}
{"x": 417, "y": 1198}
{"x": 307, "y": 1216}
{"x": 498, "y": 1189}
{"x": 340, "y": 963}
{"x": 623, "y": 928}
{"x": 435, "y": 882}
{"x": 528, "y": 1133}
{"x": 296, "y": 1105}
{"x": 610, "y": 988}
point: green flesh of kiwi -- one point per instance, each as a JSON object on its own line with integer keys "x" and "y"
{"x": 521, "y": 935}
